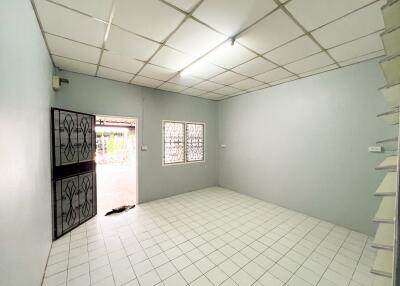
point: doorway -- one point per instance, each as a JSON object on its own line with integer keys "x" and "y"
{"x": 116, "y": 162}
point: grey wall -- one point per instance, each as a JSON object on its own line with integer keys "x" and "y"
{"x": 150, "y": 106}
{"x": 25, "y": 97}
{"x": 303, "y": 144}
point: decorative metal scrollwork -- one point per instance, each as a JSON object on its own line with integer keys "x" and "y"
{"x": 85, "y": 127}
{"x": 70, "y": 191}
{"x": 69, "y": 149}
{"x": 86, "y": 204}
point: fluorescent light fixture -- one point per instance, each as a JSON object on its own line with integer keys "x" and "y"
{"x": 207, "y": 58}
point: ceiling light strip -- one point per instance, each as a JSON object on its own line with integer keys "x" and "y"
{"x": 228, "y": 38}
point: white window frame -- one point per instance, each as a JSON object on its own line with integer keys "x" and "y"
{"x": 185, "y": 155}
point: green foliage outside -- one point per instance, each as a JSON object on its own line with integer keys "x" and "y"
{"x": 115, "y": 145}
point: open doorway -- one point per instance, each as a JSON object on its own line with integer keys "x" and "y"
{"x": 116, "y": 162}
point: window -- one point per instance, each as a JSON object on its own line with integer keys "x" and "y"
{"x": 183, "y": 142}
{"x": 194, "y": 142}
{"x": 174, "y": 142}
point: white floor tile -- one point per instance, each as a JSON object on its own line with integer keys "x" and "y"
{"x": 149, "y": 279}
{"x": 269, "y": 280}
{"x": 210, "y": 237}
{"x": 216, "y": 276}
{"x": 166, "y": 270}
{"x": 190, "y": 273}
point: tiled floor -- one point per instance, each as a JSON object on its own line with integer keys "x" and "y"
{"x": 116, "y": 186}
{"x": 210, "y": 237}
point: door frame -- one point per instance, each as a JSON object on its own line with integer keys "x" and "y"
{"x": 136, "y": 145}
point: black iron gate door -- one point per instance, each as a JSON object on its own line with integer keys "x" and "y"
{"x": 73, "y": 170}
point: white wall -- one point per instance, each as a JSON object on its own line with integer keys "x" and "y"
{"x": 25, "y": 98}
{"x": 106, "y": 97}
{"x": 303, "y": 144}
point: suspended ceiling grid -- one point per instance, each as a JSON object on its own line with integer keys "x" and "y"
{"x": 149, "y": 42}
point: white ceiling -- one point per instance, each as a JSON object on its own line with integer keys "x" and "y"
{"x": 149, "y": 42}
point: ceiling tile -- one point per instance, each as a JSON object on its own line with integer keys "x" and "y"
{"x": 172, "y": 87}
{"x": 357, "y": 24}
{"x": 74, "y": 50}
{"x": 114, "y": 74}
{"x": 229, "y": 56}
{"x": 185, "y": 80}
{"x": 193, "y": 91}
{"x": 243, "y": 91}
{"x": 310, "y": 63}
{"x": 270, "y": 33}
{"x": 74, "y": 66}
{"x": 150, "y": 18}
{"x": 363, "y": 58}
{"x": 100, "y": 9}
{"x": 128, "y": 44}
{"x": 360, "y": 47}
{"x": 195, "y": 39}
{"x": 171, "y": 59}
{"x": 232, "y": 16}
{"x": 73, "y": 26}
{"x": 228, "y": 78}
{"x": 263, "y": 86}
{"x": 122, "y": 63}
{"x": 227, "y": 90}
{"x": 291, "y": 78}
{"x": 185, "y": 5}
{"x": 208, "y": 86}
{"x": 273, "y": 75}
{"x": 247, "y": 84}
{"x": 156, "y": 72}
{"x": 212, "y": 96}
{"x": 315, "y": 13}
{"x": 204, "y": 70}
{"x": 145, "y": 81}
{"x": 320, "y": 70}
{"x": 255, "y": 66}
{"x": 293, "y": 51}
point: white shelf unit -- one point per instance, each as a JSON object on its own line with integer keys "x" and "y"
{"x": 390, "y": 117}
{"x": 383, "y": 264}
{"x": 386, "y": 266}
{"x": 382, "y": 281}
{"x": 384, "y": 237}
{"x": 391, "y": 41}
{"x": 391, "y": 93}
{"x": 386, "y": 211}
{"x": 391, "y": 69}
{"x": 390, "y": 163}
{"x": 391, "y": 12}
{"x": 388, "y": 185}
